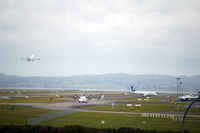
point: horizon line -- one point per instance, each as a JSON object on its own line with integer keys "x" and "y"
{"x": 96, "y": 74}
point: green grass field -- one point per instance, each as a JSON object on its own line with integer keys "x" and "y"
{"x": 120, "y": 120}
{"x": 153, "y": 105}
{"x": 44, "y": 99}
{"x": 19, "y": 115}
{"x": 144, "y": 108}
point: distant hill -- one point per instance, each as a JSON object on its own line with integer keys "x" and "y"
{"x": 119, "y": 81}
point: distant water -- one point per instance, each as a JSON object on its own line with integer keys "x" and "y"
{"x": 80, "y": 89}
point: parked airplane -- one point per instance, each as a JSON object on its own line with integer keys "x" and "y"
{"x": 188, "y": 97}
{"x": 143, "y": 93}
{"x": 30, "y": 58}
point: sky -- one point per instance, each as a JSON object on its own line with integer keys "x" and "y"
{"x": 75, "y": 37}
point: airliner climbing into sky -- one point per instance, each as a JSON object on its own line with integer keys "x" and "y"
{"x": 30, "y": 58}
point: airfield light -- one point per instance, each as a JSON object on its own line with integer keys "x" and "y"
{"x": 113, "y": 105}
{"x": 102, "y": 122}
{"x": 144, "y": 122}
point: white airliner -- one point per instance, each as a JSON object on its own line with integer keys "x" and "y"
{"x": 188, "y": 97}
{"x": 144, "y": 93}
{"x": 83, "y": 99}
{"x": 30, "y": 58}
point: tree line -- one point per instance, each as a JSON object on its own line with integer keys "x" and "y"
{"x": 74, "y": 129}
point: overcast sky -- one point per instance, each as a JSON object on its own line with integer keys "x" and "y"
{"x": 73, "y": 37}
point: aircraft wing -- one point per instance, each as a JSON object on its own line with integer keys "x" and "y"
{"x": 36, "y": 59}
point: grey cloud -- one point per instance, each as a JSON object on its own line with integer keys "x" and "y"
{"x": 93, "y": 36}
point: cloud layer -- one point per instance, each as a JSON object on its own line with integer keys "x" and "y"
{"x": 99, "y": 36}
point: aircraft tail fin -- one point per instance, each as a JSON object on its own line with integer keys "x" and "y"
{"x": 132, "y": 89}
{"x": 32, "y": 56}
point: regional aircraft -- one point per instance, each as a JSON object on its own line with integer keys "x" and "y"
{"x": 30, "y": 58}
{"x": 188, "y": 97}
{"x": 144, "y": 93}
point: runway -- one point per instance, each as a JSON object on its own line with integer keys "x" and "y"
{"x": 63, "y": 106}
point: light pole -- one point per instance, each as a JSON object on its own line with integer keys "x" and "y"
{"x": 181, "y": 89}
{"x": 178, "y": 79}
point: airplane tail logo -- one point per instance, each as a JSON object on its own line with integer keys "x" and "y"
{"x": 132, "y": 89}
{"x": 32, "y": 56}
